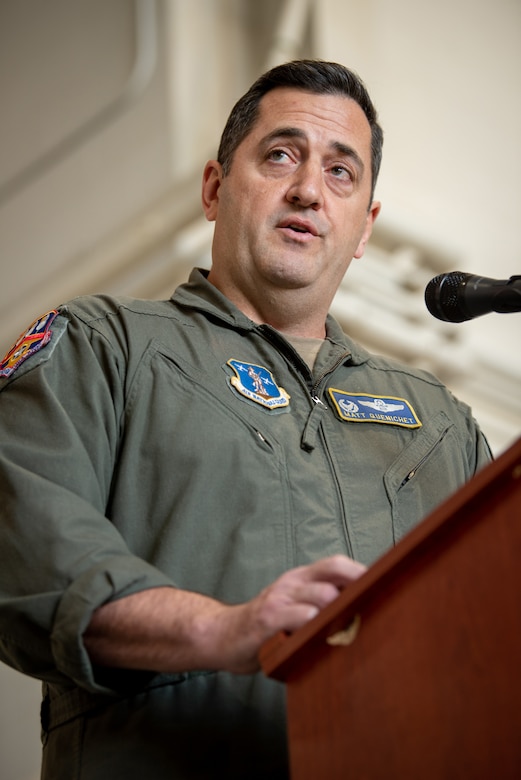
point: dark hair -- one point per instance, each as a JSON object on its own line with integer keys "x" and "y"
{"x": 314, "y": 76}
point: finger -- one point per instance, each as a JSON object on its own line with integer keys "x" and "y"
{"x": 318, "y": 594}
{"x": 294, "y": 616}
{"x": 337, "y": 569}
{"x": 286, "y": 606}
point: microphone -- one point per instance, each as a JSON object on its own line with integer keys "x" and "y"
{"x": 457, "y": 296}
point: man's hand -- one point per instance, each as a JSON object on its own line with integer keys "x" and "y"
{"x": 171, "y": 630}
{"x": 287, "y": 604}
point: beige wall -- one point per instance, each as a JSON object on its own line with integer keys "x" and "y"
{"x": 446, "y": 77}
{"x": 108, "y": 136}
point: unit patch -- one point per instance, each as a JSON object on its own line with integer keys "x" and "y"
{"x": 31, "y": 341}
{"x": 257, "y": 384}
{"x": 364, "y": 407}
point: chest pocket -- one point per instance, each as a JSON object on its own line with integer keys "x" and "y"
{"x": 413, "y": 481}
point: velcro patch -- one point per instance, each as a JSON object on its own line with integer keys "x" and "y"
{"x": 258, "y": 385}
{"x": 32, "y": 340}
{"x": 365, "y": 407}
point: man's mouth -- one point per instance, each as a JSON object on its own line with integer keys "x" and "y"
{"x": 299, "y": 226}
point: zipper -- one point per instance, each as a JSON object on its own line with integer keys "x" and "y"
{"x": 420, "y": 463}
{"x": 310, "y": 432}
{"x": 314, "y": 390}
{"x": 285, "y": 348}
{"x": 293, "y": 357}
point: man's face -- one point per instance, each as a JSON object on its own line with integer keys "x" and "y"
{"x": 295, "y": 207}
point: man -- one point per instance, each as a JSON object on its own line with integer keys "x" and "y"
{"x": 183, "y": 479}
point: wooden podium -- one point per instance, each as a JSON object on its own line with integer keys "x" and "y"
{"x": 414, "y": 672}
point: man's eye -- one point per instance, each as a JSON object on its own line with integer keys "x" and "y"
{"x": 341, "y": 171}
{"x": 277, "y": 154}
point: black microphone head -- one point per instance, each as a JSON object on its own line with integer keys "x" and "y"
{"x": 443, "y": 297}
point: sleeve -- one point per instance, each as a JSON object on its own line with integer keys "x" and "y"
{"x": 60, "y": 555}
{"x": 483, "y": 452}
{"x": 478, "y": 450}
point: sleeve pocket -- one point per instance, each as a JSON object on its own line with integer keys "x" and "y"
{"x": 425, "y": 473}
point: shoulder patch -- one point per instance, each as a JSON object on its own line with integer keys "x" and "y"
{"x": 31, "y": 341}
{"x": 257, "y": 384}
{"x": 365, "y": 407}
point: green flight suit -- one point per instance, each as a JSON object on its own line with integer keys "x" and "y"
{"x": 178, "y": 443}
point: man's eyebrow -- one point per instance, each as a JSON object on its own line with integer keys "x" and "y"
{"x": 283, "y": 132}
{"x": 337, "y": 146}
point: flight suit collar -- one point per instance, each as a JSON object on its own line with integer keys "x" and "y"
{"x": 199, "y": 293}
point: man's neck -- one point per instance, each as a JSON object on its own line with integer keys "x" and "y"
{"x": 288, "y": 311}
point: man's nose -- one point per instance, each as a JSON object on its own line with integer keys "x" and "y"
{"x": 306, "y": 186}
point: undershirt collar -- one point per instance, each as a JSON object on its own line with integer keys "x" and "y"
{"x": 307, "y": 347}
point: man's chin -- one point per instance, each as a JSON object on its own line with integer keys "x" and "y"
{"x": 293, "y": 276}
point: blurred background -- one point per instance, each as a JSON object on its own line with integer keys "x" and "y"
{"x": 109, "y": 110}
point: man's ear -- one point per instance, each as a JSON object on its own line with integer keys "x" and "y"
{"x": 373, "y": 212}
{"x": 212, "y": 178}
